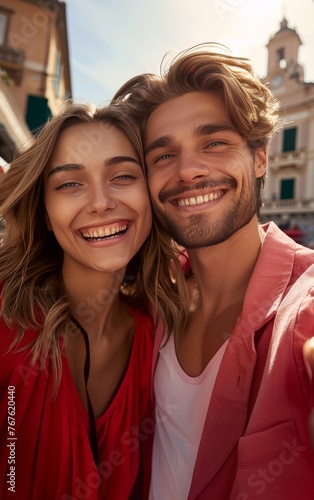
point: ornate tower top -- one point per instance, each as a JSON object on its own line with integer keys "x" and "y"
{"x": 283, "y": 50}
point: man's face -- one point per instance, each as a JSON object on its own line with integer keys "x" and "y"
{"x": 201, "y": 173}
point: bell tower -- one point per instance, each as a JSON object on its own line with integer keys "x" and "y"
{"x": 283, "y": 50}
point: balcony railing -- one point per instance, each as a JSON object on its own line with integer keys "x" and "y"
{"x": 297, "y": 158}
{"x": 287, "y": 207}
{"x": 12, "y": 61}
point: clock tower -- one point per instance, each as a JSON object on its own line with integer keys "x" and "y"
{"x": 288, "y": 196}
{"x": 283, "y": 66}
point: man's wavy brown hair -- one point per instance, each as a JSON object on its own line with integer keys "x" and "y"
{"x": 209, "y": 67}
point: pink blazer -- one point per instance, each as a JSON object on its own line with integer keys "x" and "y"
{"x": 255, "y": 442}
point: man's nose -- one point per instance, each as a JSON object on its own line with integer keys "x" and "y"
{"x": 190, "y": 167}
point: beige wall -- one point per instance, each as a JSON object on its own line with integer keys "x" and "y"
{"x": 36, "y": 30}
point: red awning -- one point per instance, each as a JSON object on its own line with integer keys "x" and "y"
{"x": 295, "y": 233}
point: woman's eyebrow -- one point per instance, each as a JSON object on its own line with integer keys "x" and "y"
{"x": 114, "y": 160}
{"x": 69, "y": 167}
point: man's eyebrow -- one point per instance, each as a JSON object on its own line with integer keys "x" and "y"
{"x": 204, "y": 129}
{"x": 212, "y": 128}
{"x": 161, "y": 142}
{"x": 69, "y": 167}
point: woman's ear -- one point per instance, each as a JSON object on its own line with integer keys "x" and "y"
{"x": 261, "y": 161}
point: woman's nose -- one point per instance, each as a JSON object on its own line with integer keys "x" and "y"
{"x": 100, "y": 199}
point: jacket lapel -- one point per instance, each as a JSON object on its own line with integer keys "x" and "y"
{"x": 227, "y": 412}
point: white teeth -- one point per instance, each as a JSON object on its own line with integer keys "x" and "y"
{"x": 102, "y": 232}
{"x": 199, "y": 200}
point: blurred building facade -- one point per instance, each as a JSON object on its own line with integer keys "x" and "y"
{"x": 35, "y": 76}
{"x": 288, "y": 197}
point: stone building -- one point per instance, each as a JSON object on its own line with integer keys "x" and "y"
{"x": 35, "y": 69}
{"x": 289, "y": 190}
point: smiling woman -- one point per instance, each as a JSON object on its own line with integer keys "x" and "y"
{"x": 80, "y": 260}
{"x": 98, "y": 209}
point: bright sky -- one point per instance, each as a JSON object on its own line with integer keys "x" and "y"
{"x": 113, "y": 40}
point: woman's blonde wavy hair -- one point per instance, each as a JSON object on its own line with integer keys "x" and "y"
{"x": 33, "y": 296}
{"x": 209, "y": 67}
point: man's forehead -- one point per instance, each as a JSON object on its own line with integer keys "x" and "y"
{"x": 192, "y": 104}
{"x": 196, "y": 114}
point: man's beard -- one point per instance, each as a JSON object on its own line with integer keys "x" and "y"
{"x": 199, "y": 232}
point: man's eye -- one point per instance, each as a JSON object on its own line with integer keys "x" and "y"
{"x": 213, "y": 144}
{"x": 124, "y": 177}
{"x": 163, "y": 157}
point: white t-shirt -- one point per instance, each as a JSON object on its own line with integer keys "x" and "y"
{"x": 181, "y": 407}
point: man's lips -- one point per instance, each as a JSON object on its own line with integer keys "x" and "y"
{"x": 200, "y": 199}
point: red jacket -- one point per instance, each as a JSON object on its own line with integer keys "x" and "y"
{"x": 45, "y": 452}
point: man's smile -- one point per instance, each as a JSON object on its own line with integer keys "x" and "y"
{"x": 200, "y": 199}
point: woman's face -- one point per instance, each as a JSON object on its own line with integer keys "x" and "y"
{"x": 96, "y": 198}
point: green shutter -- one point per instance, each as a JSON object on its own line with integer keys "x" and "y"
{"x": 289, "y": 139}
{"x": 37, "y": 112}
{"x": 287, "y": 189}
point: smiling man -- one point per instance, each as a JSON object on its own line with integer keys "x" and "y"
{"x": 233, "y": 391}
{"x": 202, "y": 174}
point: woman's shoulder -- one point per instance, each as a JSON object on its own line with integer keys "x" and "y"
{"x": 9, "y": 333}
{"x": 142, "y": 315}
{"x": 14, "y": 347}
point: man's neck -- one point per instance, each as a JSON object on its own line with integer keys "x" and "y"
{"x": 221, "y": 275}
{"x": 222, "y": 272}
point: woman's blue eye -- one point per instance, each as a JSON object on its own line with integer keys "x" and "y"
{"x": 67, "y": 185}
{"x": 126, "y": 176}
